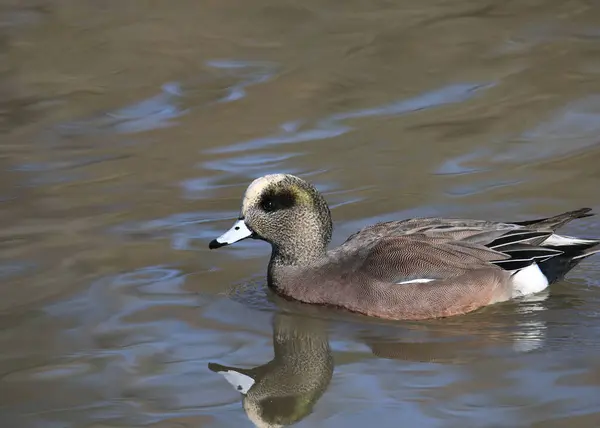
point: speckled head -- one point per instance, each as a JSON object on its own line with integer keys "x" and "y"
{"x": 285, "y": 211}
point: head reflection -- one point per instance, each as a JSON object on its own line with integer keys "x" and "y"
{"x": 284, "y": 390}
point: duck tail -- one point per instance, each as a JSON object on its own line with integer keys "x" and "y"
{"x": 555, "y": 268}
{"x": 570, "y": 250}
{"x": 557, "y": 221}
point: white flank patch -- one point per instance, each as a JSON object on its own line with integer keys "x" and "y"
{"x": 239, "y": 381}
{"x": 528, "y": 280}
{"x": 416, "y": 281}
{"x": 566, "y": 240}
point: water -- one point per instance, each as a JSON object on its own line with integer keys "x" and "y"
{"x": 131, "y": 129}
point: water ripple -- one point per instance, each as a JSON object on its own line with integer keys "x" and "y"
{"x": 249, "y": 72}
{"x": 571, "y": 130}
{"x": 11, "y": 269}
{"x": 331, "y": 127}
{"x": 161, "y": 110}
{"x": 152, "y": 113}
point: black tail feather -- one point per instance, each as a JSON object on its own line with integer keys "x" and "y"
{"x": 587, "y": 253}
{"x": 557, "y": 267}
{"x": 527, "y": 246}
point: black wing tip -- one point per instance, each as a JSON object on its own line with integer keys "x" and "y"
{"x": 578, "y": 213}
{"x": 522, "y": 256}
{"x": 517, "y": 236}
{"x": 512, "y": 264}
{"x": 558, "y": 220}
{"x": 582, "y": 213}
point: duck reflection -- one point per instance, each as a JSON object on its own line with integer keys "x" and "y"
{"x": 284, "y": 390}
{"x": 494, "y": 332}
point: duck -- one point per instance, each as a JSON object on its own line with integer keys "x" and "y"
{"x": 411, "y": 269}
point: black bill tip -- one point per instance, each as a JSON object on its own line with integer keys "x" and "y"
{"x": 216, "y": 368}
{"x": 216, "y": 244}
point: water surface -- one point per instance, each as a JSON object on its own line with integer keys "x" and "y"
{"x": 129, "y": 131}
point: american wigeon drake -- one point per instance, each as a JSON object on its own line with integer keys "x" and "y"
{"x": 409, "y": 269}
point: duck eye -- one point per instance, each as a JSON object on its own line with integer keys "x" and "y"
{"x": 268, "y": 205}
{"x": 275, "y": 201}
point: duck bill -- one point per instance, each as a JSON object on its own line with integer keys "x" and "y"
{"x": 238, "y": 231}
{"x": 241, "y": 379}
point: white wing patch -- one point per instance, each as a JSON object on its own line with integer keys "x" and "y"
{"x": 416, "y": 281}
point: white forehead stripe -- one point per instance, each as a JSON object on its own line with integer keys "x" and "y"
{"x": 256, "y": 188}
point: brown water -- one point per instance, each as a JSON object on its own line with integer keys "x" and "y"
{"x": 129, "y": 131}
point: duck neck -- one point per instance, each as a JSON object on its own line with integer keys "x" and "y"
{"x": 301, "y": 254}
{"x": 305, "y": 247}
{"x": 304, "y": 240}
